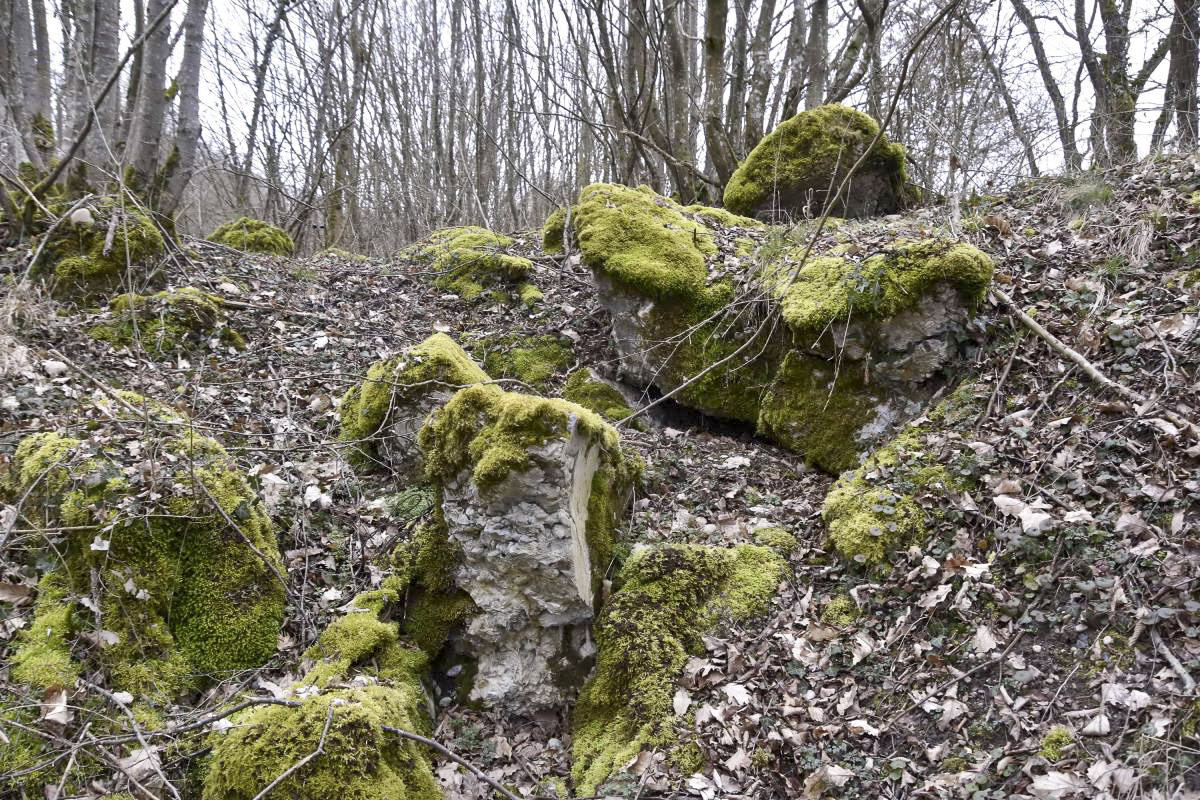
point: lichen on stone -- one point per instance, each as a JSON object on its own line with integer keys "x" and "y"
{"x": 405, "y": 386}
{"x": 254, "y": 236}
{"x": 666, "y": 599}
{"x": 166, "y": 321}
{"x": 184, "y": 596}
{"x": 796, "y": 166}
{"x": 470, "y": 260}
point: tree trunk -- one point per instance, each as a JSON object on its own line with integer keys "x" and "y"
{"x": 152, "y": 102}
{"x": 187, "y": 132}
{"x": 716, "y": 136}
{"x": 816, "y": 55}
{"x": 1184, "y": 62}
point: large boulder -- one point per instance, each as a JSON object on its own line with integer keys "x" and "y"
{"x": 530, "y": 492}
{"x": 163, "y": 565}
{"x": 827, "y": 353}
{"x": 794, "y": 170}
{"x": 254, "y": 236}
{"x": 381, "y": 416}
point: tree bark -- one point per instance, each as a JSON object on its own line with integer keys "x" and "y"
{"x": 187, "y": 132}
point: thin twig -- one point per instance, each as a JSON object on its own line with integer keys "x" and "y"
{"x": 450, "y": 754}
{"x": 320, "y": 749}
{"x": 1189, "y": 683}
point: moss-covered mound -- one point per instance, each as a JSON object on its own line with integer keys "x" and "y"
{"x": 361, "y": 759}
{"x": 834, "y": 289}
{"x": 827, "y": 355}
{"x": 885, "y": 505}
{"x": 80, "y": 261}
{"x": 588, "y": 390}
{"x": 159, "y": 549}
{"x": 532, "y": 360}
{"x": 166, "y": 321}
{"x": 667, "y": 598}
{"x": 553, "y": 230}
{"x": 470, "y": 260}
{"x": 382, "y": 415}
{"x": 796, "y": 167}
{"x": 254, "y": 236}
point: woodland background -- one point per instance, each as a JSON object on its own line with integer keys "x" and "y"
{"x": 364, "y": 124}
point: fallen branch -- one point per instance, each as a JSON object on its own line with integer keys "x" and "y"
{"x": 1057, "y": 345}
{"x": 1189, "y": 683}
{"x": 448, "y": 753}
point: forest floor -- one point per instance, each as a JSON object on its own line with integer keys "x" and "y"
{"x": 1041, "y": 643}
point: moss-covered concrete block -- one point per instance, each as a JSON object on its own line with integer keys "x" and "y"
{"x": 169, "y": 564}
{"x": 826, "y": 352}
{"x": 470, "y": 261}
{"x": 254, "y": 236}
{"x": 795, "y": 169}
{"x": 667, "y": 598}
{"x": 166, "y": 321}
{"x": 382, "y": 415}
{"x": 886, "y": 504}
{"x": 361, "y": 759}
{"x": 531, "y": 491}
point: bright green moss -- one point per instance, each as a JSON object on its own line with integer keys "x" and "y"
{"x": 1055, "y": 742}
{"x": 835, "y": 288}
{"x": 811, "y": 152}
{"x": 873, "y": 511}
{"x": 183, "y": 596}
{"x": 529, "y": 295}
{"x": 721, "y": 217}
{"x": 532, "y": 360}
{"x": 43, "y": 655}
{"x": 165, "y": 321}
{"x": 816, "y": 409}
{"x": 646, "y": 243}
{"x": 361, "y": 760}
{"x": 842, "y": 612}
{"x": 469, "y": 260}
{"x": 552, "y": 232}
{"x": 491, "y": 432}
{"x": 668, "y": 598}
{"x": 596, "y": 395}
{"x": 254, "y": 236}
{"x": 402, "y": 383}
{"x": 81, "y": 263}
{"x": 778, "y": 539}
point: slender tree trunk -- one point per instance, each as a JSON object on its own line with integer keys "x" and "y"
{"x": 274, "y": 30}
{"x": 1010, "y": 105}
{"x": 187, "y": 132}
{"x": 715, "y": 134}
{"x": 1066, "y": 131}
{"x": 816, "y": 55}
{"x": 1184, "y": 63}
{"x": 152, "y": 101}
{"x": 760, "y": 74}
